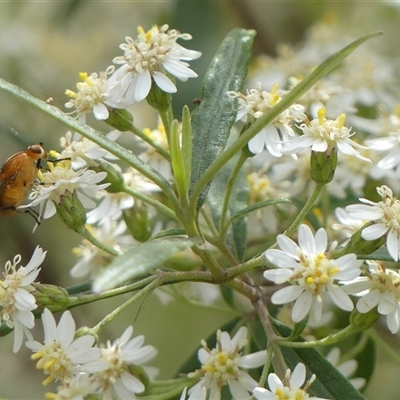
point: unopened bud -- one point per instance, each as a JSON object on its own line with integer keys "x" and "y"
{"x": 53, "y": 297}
{"x": 71, "y": 211}
{"x": 158, "y": 99}
{"x": 362, "y": 322}
{"x": 323, "y": 165}
{"x": 120, "y": 119}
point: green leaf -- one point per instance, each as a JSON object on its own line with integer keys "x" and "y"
{"x": 139, "y": 261}
{"x": 213, "y": 118}
{"x": 167, "y": 389}
{"x": 330, "y": 383}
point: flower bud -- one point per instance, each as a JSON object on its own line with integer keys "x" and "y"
{"x": 158, "y": 99}
{"x": 120, "y": 119}
{"x": 53, "y": 297}
{"x": 362, "y": 322}
{"x": 71, "y": 211}
{"x": 114, "y": 176}
{"x": 323, "y": 165}
{"x": 137, "y": 221}
{"x": 360, "y": 246}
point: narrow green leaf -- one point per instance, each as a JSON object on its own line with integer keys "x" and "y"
{"x": 140, "y": 260}
{"x": 330, "y": 383}
{"x": 213, "y": 118}
{"x": 187, "y": 143}
{"x": 177, "y": 162}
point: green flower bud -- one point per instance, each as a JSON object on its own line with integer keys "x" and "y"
{"x": 120, "y": 119}
{"x": 362, "y": 322}
{"x": 137, "y": 221}
{"x": 53, "y": 297}
{"x": 71, "y": 211}
{"x": 158, "y": 99}
{"x": 323, "y": 165}
{"x": 360, "y": 246}
{"x": 114, "y": 177}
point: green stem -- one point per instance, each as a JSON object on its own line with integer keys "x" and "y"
{"x": 330, "y": 339}
{"x": 151, "y": 201}
{"x": 139, "y": 133}
{"x": 305, "y": 210}
{"x": 228, "y": 193}
{"x": 256, "y": 262}
{"x": 144, "y": 292}
{"x": 88, "y": 236}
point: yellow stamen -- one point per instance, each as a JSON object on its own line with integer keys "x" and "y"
{"x": 37, "y": 355}
{"x": 83, "y": 76}
{"x": 140, "y": 30}
{"x": 310, "y": 280}
{"x": 321, "y": 115}
{"x": 340, "y": 120}
{"x": 47, "y": 381}
{"x": 50, "y": 363}
{"x": 70, "y": 93}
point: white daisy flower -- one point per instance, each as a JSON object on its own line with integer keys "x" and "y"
{"x": 346, "y": 368}
{"x": 123, "y": 354}
{"x": 59, "y": 180}
{"x": 16, "y": 300}
{"x": 257, "y": 102}
{"x": 89, "y": 97}
{"x": 385, "y": 214}
{"x": 325, "y": 135}
{"x": 83, "y": 152}
{"x": 289, "y": 388}
{"x": 148, "y": 59}
{"x": 93, "y": 260}
{"x": 380, "y": 288}
{"x": 223, "y": 366}
{"x": 311, "y": 272}
{"x": 61, "y": 356}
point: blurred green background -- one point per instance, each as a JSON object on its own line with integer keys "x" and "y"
{"x": 43, "y": 47}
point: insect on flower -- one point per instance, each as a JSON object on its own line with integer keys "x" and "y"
{"x": 17, "y": 176}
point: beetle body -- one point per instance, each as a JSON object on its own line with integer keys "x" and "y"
{"x": 17, "y": 176}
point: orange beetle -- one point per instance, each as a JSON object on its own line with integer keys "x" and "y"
{"x": 17, "y": 176}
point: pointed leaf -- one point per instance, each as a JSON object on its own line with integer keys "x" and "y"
{"x": 139, "y": 261}
{"x": 213, "y": 118}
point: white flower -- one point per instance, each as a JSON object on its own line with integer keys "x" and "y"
{"x": 256, "y": 103}
{"x": 77, "y": 388}
{"x": 346, "y": 225}
{"x": 380, "y": 288}
{"x": 61, "y": 356}
{"x": 92, "y": 259}
{"x": 61, "y": 179}
{"x": 120, "y": 356}
{"x": 290, "y": 388}
{"x": 16, "y": 301}
{"x": 83, "y": 152}
{"x": 346, "y": 368}
{"x": 385, "y": 214}
{"x": 324, "y": 135}
{"x": 198, "y": 393}
{"x": 148, "y": 59}
{"x": 223, "y": 366}
{"x": 311, "y": 273}
{"x": 90, "y": 95}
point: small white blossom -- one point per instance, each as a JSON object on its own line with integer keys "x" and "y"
{"x": 257, "y": 102}
{"x": 385, "y": 214}
{"x": 90, "y": 95}
{"x": 380, "y": 288}
{"x": 61, "y": 356}
{"x": 120, "y": 356}
{"x": 92, "y": 259}
{"x": 16, "y": 300}
{"x": 148, "y": 59}
{"x": 83, "y": 152}
{"x": 311, "y": 272}
{"x": 324, "y": 135}
{"x": 61, "y": 179}
{"x": 289, "y": 388}
{"x": 346, "y": 368}
{"x": 223, "y": 366}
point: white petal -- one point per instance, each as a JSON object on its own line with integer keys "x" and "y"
{"x": 340, "y": 298}
{"x": 368, "y": 301}
{"x": 164, "y": 83}
{"x": 387, "y": 303}
{"x": 278, "y": 276}
{"x": 287, "y": 294}
{"x": 238, "y": 391}
{"x": 263, "y": 394}
{"x": 306, "y": 240}
{"x": 143, "y": 85}
{"x": 280, "y": 259}
{"x": 302, "y": 306}
{"x": 298, "y": 376}
{"x": 374, "y": 231}
{"x": 66, "y": 329}
{"x": 253, "y": 360}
